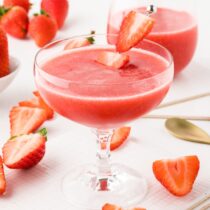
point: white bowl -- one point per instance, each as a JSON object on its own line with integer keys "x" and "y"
{"x": 6, "y": 80}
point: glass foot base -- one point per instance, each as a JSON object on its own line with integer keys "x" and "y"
{"x": 83, "y": 188}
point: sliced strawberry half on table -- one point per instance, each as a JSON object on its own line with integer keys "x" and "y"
{"x": 135, "y": 26}
{"x": 38, "y": 102}
{"x": 119, "y": 136}
{"x": 24, "y": 151}
{"x": 112, "y": 59}
{"x": 25, "y": 120}
{"x": 108, "y": 206}
{"x": 2, "y": 178}
{"x": 177, "y": 175}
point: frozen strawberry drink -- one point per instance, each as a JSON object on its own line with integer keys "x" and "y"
{"x": 100, "y": 96}
{"x": 98, "y": 87}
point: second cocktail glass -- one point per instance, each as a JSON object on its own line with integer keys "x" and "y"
{"x": 175, "y": 25}
{"x": 79, "y": 88}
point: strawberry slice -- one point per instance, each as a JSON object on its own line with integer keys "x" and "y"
{"x": 38, "y": 102}
{"x": 119, "y": 136}
{"x": 177, "y": 175}
{"x": 24, "y": 151}
{"x": 108, "y": 206}
{"x": 2, "y": 178}
{"x": 42, "y": 104}
{"x": 24, "y": 120}
{"x": 135, "y": 26}
{"x": 79, "y": 42}
{"x": 112, "y": 59}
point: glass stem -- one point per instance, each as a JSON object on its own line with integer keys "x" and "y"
{"x": 103, "y": 156}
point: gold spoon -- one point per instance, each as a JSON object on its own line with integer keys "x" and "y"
{"x": 185, "y": 130}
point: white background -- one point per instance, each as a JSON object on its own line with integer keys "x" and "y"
{"x": 70, "y": 144}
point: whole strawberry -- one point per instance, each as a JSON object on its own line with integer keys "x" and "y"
{"x": 22, "y": 3}
{"x": 4, "y": 55}
{"x": 58, "y": 9}
{"x": 15, "y": 21}
{"x": 24, "y": 151}
{"x": 2, "y": 178}
{"x": 42, "y": 28}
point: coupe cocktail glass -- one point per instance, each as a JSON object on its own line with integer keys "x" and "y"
{"x": 91, "y": 94}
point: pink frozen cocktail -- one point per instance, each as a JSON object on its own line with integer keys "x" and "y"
{"x": 85, "y": 91}
{"x": 99, "y": 96}
{"x": 175, "y": 30}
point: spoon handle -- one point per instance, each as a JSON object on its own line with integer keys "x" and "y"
{"x": 183, "y": 100}
{"x": 200, "y": 202}
{"x": 198, "y": 118}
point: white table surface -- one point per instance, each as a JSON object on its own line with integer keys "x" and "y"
{"x": 70, "y": 143}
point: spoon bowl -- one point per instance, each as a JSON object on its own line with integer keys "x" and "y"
{"x": 186, "y": 130}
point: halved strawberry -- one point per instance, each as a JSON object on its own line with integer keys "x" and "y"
{"x": 134, "y": 28}
{"x": 112, "y": 59}
{"x": 79, "y": 42}
{"x": 24, "y": 120}
{"x": 177, "y": 175}
{"x": 108, "y": 206}
{"x": 38, "y": 102}
{"x": 119, "y": 136}
{"x": 24, "y": 151}
{"x": 50, "y": 112}
{"x": 2, "y": 178}
{"x": 4, "y": 54}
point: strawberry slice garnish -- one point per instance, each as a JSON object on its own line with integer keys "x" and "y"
{"x": 177, "y": 175}
{"x": 112, "y": 59}
{"x": 24, "y": 151}
{"x": 119, "y": 136}
{"x": 79, "y": 42}
{"x": 38, "y": 102}
{"x": 108, "y": 206}
{"x": 24, "y": 120}
{"x": 134, "y": 28}
{"x": 2, "y": 178}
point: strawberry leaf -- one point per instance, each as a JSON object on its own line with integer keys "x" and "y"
{"x": 43, "y": 132}
{"x": 91, "y": 40}
{"x": 3, "y": 10}
{"x": 43, "y": 12}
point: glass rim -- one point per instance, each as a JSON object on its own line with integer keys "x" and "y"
{"x": 170, "y": 61}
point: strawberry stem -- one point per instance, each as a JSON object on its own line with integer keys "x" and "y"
{"x": 91, "y": 40}
{"x": 43, "y": 12}
{"x": 31, "y": 5}
{"x": 43, "y": 132}
{"x": 12, "y": 137}
{"x": 3, "y": 10}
